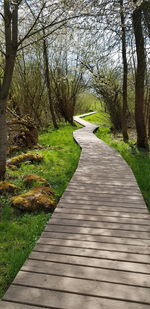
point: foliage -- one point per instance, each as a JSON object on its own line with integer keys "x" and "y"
{"x": 87, "y": 102}
{"x": 107, "y": 87}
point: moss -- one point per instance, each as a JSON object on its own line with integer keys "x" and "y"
{"x": 31, "y": 179}
{"x": 13, "y": 167}
{"x": 25, "y": 157}
{"x": 6, "y": 187}
{"x": 38, "y": 198}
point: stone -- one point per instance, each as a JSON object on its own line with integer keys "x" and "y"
{"x": 39, "y": 197}
{"x": 6, "y": 187}
{"x": 32, "y": 157}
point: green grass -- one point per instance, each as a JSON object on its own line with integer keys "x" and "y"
{"x": 19, "y": 231}
{"x": 138, "y": 161}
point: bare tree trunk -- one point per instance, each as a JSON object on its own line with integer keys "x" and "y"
{"x": 125, "y": 74}
{"x": 3, "y": 139}
{"x": 142, "y": 141}
{"x": 149, "y": 126}
{"x": 11, "y": 34}
{"x": 47, "y": 77}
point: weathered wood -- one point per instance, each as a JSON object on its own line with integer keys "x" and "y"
{"x": 10, "y": 305}
{"x": 95, "y": 251}
{"x": 101, "y": 225}
{"x": 103, "y": 240}
{"x": 76, "y": 271}
{"x": 93, "y": 262}
{"x": 101, "y": 202}
{"x": 81, "y": 286}
{"x": 103, "y": 213}
{"x": 97, "y": 218}
{"x": 84, "y": 207}
{"x": 96, "y": 231}
{"x": 97, "y": 242}
{"x": 59, "y": 299}
{"x": 102, "y": 254}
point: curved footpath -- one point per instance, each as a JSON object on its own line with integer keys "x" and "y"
{"x": 94, "y": 252}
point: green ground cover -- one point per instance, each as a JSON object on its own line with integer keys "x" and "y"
{"x": 139, "y": 161}
{"x": 19, "y": 231}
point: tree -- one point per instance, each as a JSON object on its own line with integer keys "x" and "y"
{"x": 125, "y": 73}
{"x": 48, "y": 82}
{"x": 10, "y": 19}
{"x": 142, "y": 141}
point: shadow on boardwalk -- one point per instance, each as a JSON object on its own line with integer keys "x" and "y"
{"x": 94, "y": 252}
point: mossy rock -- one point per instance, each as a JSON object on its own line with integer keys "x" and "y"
{"x": 38, "y": 198}
{"x": 25, "y": 157}
{"x": 6, "y": 187}
{"x": 30, "y": 179}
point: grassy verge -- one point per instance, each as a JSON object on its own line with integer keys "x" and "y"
{"x": 138, "y": 161}
{"x": 19, "y": 231}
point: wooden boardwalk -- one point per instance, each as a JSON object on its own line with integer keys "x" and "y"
{"x": 95, "y": 251}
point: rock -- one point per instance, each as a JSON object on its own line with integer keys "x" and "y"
{"x": 29, "y": 179}
{"x": 6, "y": 187}
{"x": 38, "y": 198}
{"x": 23, "y": 158}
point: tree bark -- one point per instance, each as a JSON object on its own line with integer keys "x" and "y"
{"x": 11, "y": 34}
{"x": 142, "y": 141}
{"x": 47, "y": 77}
{"x": 125, "y": 74}
{"x": 3, "y": 139}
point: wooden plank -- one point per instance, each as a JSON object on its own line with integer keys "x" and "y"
{"x": 97, "y": 186}
{"x": 115, "y": 191}
{"x": 96, "y": 245}
{"x": 93, "y": 231}
{"x": 83, "y": 272}
{"x": 66, "y": 300}
{"x": 105, "y": 179}
{"x": 85, "y": 287}
{"x": 104, "y": 254}
{"x": 104, "y": 241}
{"x": 92, "y": 262}
{"x": 102, "y": 225}
{"x": 103, "y": 182}
{"x": 96, "y": 231}
{"x": 101, "y": 206}
{"x": 10, "y": 305}
{"x": 100, "y": 213}
{"x": 104, "y": 197}
{"x": 111, "y": 204}
{"x": 97, "y": 218}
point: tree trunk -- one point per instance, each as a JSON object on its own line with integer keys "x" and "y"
{"x": 142, "y": 141}
{"x": 3, "y": 139}
{"x": 11, "y": 36}
{"x": 125, "y": 75}
{"x": 47, "y": 77}
{"x": 149, "y": 126}
{"x": 4, "y": 91}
